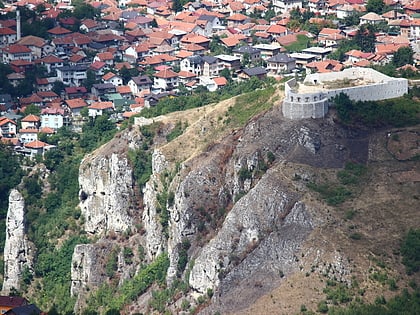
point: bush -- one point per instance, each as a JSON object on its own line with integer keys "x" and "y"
{"x": 410, "y": 250}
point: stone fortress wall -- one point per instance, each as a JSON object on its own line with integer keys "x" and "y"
{"x": 311, "y": 98}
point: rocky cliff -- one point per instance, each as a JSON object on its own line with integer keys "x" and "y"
{"x": 18, "y": 250}
{"x": 230, "y": 206}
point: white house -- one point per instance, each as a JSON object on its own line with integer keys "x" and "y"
{"x": 52, "y": 118}
{"x": 112, "y": 78}
{"x": 140, "y": 84}
{"x": 7, "y": 127}
{"x": 99, "y": 108}
{"x": 165, "y": 80}
{"x": 283, "y": 6}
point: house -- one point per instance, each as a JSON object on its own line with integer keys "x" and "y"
{"x": 38, "y": 46}
{"x": 7, "y": 127}
{"x": 9, "y": 302}
{"x": 30, "y": 309}
{"x": 192, "y": 64}
{"x": 210, "y": 66}
{"x": 140, "y": 84}
{"x": 72, "y": 75}
{"x": 283, "y": 6}
{"x": 106, "y": 57}
{"x": 112, "y": 78}
{"x": 248, "y": 73}
{"x": 415, "y": 29}
{"x": 371, "y": 18}
{"x": 52, "y": 118}
{"x": 75, "y": 92}
{"x": 101, "y": 89}
{"x": 52, "y": 62}
{"x": 320, "y": 52}
{"x": 30, "y": 121}
{"x": 228, "y": 62}
{"x": 302, "y": 59}
{"x": 99, "y": 108}
{"x": 330, "y": 37}
{"x": 165, "y": 80}
{"x": 75, "y": 105}
{"x": 268, "y": 50}
{"x": 281, "y": 63}
{"x": 34, "y": 148}
{"x": 253, "y": 53}
{"x": 16, "y": 52}
{"x": 27, "y": 135}
{"x": 7, "y": 36}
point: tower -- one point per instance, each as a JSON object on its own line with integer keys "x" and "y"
{"x": 18, "y": 25}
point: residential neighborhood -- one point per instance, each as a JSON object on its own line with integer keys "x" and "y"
{"x": 76, "y": 61}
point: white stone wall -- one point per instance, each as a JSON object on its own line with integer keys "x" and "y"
{"x": 315, "y": 105}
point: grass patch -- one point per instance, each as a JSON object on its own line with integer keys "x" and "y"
{"x": 248, "y": 105}
{"x": 301, "y": 43}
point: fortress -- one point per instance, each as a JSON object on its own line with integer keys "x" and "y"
{"x": 311, "y": 98}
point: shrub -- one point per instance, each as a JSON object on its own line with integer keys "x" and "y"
{"x": 410, "y": 250}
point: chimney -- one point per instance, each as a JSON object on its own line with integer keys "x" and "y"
{"x": 18, "y": 25}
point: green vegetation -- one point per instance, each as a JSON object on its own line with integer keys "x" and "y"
{"x": 302, "y": 43}
{"x": 410, "y": 250}
{"x": 10, "y": 176}
{"x": 203, "y": 97}
{"x": 336, "y": 193}
{"x": 398, "y": 112}
{"x": 112, "y": 297}
{"x": 248, "y": 105}
{"x": 406, "y": 303}
{"x": 176, "y": 131}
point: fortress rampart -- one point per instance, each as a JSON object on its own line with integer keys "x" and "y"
{"x": 311, "y": 98}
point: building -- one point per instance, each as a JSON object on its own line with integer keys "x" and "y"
{"x": 7, "y": 127}
{"x": 280, "y": 63}
{"x": 311, "y": 98}
{"x": 9, "y": 302}
{"x": 52, "y": 118}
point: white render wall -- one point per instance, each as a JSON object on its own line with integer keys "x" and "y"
{"x": 315, "y": 105}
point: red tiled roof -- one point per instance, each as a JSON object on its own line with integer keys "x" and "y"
{"x": 37, "y": 144}
{"x": 31, "y": 118}
{"x": 76, "y": 103}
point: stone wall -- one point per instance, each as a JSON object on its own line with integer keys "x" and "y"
{"x": 377, "y": 86}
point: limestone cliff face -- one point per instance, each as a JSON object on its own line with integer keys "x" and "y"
{"x": 107, "y": 187}
{"x": 154, "y": 239}
{"x": 87, "y": 268}
{"x": 106, "y": 193}
{"x": 18, "y": 250}
{"x": 243, "y": 219}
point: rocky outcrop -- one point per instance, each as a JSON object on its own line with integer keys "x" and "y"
{"x": 88, "y": 268}
{"x": 18, "y": 250}
{"x": 106, "y": 193}
{"x": 247, "y": 237}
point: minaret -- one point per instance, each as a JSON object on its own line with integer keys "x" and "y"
{"x": 17, "y": 25}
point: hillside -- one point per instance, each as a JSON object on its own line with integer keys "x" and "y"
{"x": 244, "y": 212}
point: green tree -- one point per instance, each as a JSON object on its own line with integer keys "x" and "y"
{"x": 226, "y": 73}
{"x": 32, "y": 109}
{"x": 365, "y": 38}
{"x": 403, "y": 56}
{"x": 376, "y": 6}
{"x": 177, "y": 5}
{"x": 58, "y": 87}
{"x": 90, "y": 80}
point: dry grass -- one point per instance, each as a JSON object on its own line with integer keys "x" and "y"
{"x": 206, "y": 125}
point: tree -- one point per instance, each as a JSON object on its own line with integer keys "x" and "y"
{"x": 403, "y": 56}
{"x": 376, "y": 6}
{"x": 365, "y": 38}
{"x": 226, "y": 73}
{"x": 58, "y": 87}
{"x": 177, "y": 5}
{"x": 32, "y": 109}
{"x": 90, "y": 80}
